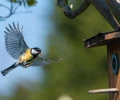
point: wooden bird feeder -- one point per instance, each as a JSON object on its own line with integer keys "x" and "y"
{"x": 112, "y": 41}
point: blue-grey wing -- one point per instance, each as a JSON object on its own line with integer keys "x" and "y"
{"x": 41, "y": 62}
{"x": 14, "y": 41}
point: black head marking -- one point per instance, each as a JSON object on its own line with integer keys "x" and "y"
{"x": 37, "y": 49}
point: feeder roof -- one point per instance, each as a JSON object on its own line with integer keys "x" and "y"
{"x": 102, "y": 39}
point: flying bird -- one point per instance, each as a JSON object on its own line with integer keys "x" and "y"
{"x": 18, "y": 49}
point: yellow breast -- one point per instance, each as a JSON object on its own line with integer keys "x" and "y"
{"x": 27, "y": 56}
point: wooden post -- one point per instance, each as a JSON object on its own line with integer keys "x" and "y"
{"x": 114, "y": 79}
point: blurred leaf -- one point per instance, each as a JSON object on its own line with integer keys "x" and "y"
{"x": 31, "y": 2}
{"x": 13, "y": 0}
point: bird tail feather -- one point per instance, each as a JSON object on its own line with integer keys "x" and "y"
{"x": 5, "y": 71}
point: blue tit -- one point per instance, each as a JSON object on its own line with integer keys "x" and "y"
{"x": 18, "y": 49}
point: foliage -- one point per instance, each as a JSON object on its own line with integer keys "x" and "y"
{"x": 25, "y": 2}
{"x": 14, "y": 5}
{"x": 31, "y": 2}
{"x": 81, "y": 69}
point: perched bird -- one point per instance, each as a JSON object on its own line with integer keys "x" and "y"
{"x": 19, "y": 50}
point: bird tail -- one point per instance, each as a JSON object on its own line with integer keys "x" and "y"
{"x": 5, "y": 71}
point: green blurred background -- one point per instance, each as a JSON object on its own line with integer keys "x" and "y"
{"x": 81, "y": 69}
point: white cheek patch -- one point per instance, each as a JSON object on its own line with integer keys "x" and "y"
{"x": 34, "y": 51}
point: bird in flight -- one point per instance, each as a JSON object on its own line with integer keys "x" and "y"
{"x": 18, "y": 49}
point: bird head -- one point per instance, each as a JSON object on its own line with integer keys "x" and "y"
{"x": 36, "y": 51}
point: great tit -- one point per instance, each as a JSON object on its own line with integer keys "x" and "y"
{"x": 18, "y": 49}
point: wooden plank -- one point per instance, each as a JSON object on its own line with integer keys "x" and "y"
{"x": 114, "y": 35}
{"x": 109, "y": 90}
{"x": 101, "y": 39}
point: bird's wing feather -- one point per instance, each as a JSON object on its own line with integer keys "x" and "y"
{"x": 14, "y": 41}
{"x": 41, "y": 62}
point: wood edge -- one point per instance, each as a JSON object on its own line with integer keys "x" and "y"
{"x": 108, "y": 90}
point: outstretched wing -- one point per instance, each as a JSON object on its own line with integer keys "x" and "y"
{"x": 41, "y": 62}
{"x": 14, "y": 41}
